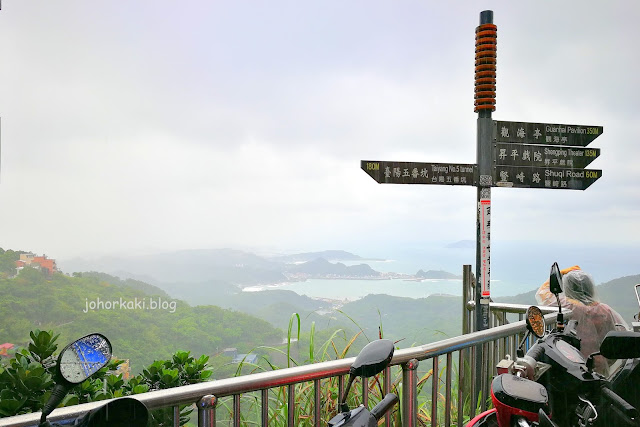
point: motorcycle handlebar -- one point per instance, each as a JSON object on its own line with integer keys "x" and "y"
{"x": 619, "y": 403}
{"x": 384, "y": 405}
{"x": 535, "y": 352}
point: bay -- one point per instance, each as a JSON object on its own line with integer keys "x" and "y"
{"x": 353, "y": 289}
{"x": 342, "y": 289}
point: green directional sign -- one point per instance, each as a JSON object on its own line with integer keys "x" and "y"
{"x": 541, "y": 177}
{"x": 545, "y": 133}
{"x": 505, "y": 153}
{"x": 385, "y": 172}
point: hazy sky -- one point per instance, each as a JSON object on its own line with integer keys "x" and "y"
{"x": 145, "y": 126}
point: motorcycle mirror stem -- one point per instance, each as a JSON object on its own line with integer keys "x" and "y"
{"x": 343, "y": 403}
{"x": 77, "y": 362}
{"x": 555, "y": 285}
{"x": 371, "y": 360}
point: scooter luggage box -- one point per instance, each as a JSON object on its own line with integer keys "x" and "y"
{"x": 516, "y": 396}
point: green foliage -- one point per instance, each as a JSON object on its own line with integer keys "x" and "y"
{"x": 32, "y": 300}
{"x": 24, "y": 380}
{"x": 27, "y": 380}
{"x": 8, "y": 260}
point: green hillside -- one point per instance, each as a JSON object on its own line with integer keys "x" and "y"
{"x": 139, "y": 332}
{"x": 417, "y": 321}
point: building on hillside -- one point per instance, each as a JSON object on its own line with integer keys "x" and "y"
{"x": 230, "y": 352}
{"x": 245, "y": 358}
{"x": 27, "y": 257}
{"x": 48, "y": 265}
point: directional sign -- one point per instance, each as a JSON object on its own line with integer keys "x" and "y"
{"x": 505, "y": 153}
{"x": 545, "y": 133}
{"x": 554, "y": 178}
{"x": 420, "y": 173}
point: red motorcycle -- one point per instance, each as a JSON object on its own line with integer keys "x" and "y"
{"x": 554, "y": 385}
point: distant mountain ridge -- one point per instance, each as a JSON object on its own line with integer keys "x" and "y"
{"x": 330, "y": 255}
{"x": 320, "y": 267}
{"x": 222, "y": 265}
{"x": 436, "y": 274}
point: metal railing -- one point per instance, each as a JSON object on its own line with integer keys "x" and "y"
{"x": 447, "y": 358}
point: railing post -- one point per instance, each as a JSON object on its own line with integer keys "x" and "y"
{"x": 387, "y": 389}
{"x": 207, "y": 411}
{"x": 264, "y": 407}
{"x": 466, "y": 296}
{"x": 317, "y": 396}
{"x": 409, "y": 393}
{"x": 466, "y": 383}
{"x": 462, "y": 385}
{"x": 447, "y": 401}
{"x": 176, "y": 416}
{"x": 473, "y": 380}
{"x": 291, "y": 405}
{"x": 236, "y": 410}
{"x": 435, "y": 382}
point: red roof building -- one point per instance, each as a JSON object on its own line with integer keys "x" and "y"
{"x": 41, "y": 262}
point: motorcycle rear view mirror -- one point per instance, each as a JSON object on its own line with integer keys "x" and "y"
{"x": 371, "y": 360}
{"x": 535, "y": 325}
{"x": 555, "y": 279}
{"x": 77, "y": 362}
{"x": 535, "y": 321}
{"x": 84, "y": 357}
{"x": 621, "y": 345}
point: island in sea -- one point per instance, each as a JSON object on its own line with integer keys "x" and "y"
{"x": 320, "y": 268}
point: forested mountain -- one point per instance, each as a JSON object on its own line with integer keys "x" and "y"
{"x": 331, "y": 255}
{"x": 416, "y": 321}
{"x": 237, "y": 267}
{"x": 618, "y": 293}
{"x": 320, "y": 267}
{"x": 138, "y": 331}
{"x": 223, "y": 266}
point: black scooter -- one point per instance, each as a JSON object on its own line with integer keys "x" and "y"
{"x": 79, "y": 361}
{"x": 371, "y": 360}
{"x": 554, "y": 385}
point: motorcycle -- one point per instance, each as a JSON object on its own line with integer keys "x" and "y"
{"x": 554, "y": 385}
{"x": 371, "y": 360}
{"x": 77, "y": 362}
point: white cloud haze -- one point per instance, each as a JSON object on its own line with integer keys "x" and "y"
{"x": 151, "y": 126}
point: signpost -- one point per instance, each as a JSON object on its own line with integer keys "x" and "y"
{"x": 546, "y": 133}
{"x": 543, "y": 155}
{"x": 554, "y": 178}
{"x": 419, "y": 173}
{"x": 508, "y": 154}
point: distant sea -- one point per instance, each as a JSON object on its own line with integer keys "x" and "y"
{"x": 338, "y": 289}
{"x": 515, "y": 268}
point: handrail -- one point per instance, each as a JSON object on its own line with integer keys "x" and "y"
{"x": 190, "y": 394}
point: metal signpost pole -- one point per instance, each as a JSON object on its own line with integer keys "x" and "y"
{"x": 509, "y": 154}
{"x": 485, "y": 101}
{"x": 485, "y": 104}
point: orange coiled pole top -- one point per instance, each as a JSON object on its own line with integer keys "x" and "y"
{"x": 486, "y": 51}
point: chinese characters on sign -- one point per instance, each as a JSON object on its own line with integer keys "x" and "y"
{"x": 543, "y": 156}
{"x": 545, "y": 133}
{"x": 484, "y": 206}
{"x": 420, "y": 173}
{"x": 540, "y": 155}
{"x": 533, "y": 177}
